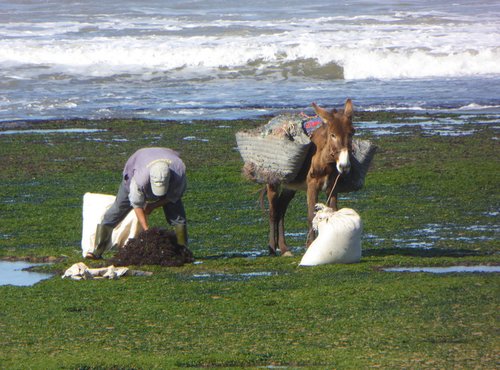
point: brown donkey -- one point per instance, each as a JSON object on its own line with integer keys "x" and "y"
{"x": 327, "y": 158}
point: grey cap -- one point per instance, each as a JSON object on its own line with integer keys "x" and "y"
{"x": 159, "y": 174}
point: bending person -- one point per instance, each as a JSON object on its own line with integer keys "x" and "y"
{"x": 152, "y": 178}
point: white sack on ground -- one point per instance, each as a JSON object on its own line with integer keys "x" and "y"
{"x": 94, "y": 207}
{"x": 339, "y": 237}
{"x": 80, "y": 271}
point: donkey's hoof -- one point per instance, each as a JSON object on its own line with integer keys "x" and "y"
{"x": 287, "y": 254}
{"x": 272, "y": 251}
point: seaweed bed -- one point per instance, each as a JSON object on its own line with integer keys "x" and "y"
{"x": 153, "y": 247}
{"x": 430, "y": 200}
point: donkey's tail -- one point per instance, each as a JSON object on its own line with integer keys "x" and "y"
{"x": 262, "y": 196}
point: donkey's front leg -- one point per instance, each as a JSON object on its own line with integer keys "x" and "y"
{"x": 313, "y": 187}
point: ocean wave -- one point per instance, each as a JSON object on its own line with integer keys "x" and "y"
{"x": 102, "y": 57}
{"x": 223, "y": 58}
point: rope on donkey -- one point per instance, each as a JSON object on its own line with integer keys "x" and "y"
{"x": 333, "y": 188}
{"x": 327, "y": 200}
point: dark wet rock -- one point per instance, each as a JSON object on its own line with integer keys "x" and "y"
{"x": 35, "y": 259}
{"x": 153, "y": 247}
{"x": 9, "y": 125}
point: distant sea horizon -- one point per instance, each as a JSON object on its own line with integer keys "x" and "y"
{"x": 222, "y": 59}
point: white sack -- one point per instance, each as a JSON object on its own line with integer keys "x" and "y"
{"x": 80, "y": 271}
{"x": 339, "y": 237}
{"x": 94, "y": 207}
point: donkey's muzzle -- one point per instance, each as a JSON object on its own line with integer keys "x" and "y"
{"x": 343, "y": 170}
{"x": 343, "y": 163}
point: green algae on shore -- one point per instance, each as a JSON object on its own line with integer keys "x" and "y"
{"x": 429, "y": 200}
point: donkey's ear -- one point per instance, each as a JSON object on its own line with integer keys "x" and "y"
{"x": 323, "y": 113}
{"x": 348, "y": 108}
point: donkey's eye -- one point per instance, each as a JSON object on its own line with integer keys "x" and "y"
{"x": 333, "y": 136}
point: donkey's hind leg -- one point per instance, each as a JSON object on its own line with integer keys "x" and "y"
{"x": 272, "y": 191}
{"x": 284, "y": 200}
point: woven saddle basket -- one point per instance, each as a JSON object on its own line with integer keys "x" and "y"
{"x": 275, "y": 152}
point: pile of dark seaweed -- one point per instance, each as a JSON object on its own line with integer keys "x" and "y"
{"x": 153, "y": 247}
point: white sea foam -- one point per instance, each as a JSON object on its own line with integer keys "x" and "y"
{"x": 104, "y": 57}
{"x": 475, "y": 106}
{"x": 404, "y": 45}
{"x": 447, "y": 270}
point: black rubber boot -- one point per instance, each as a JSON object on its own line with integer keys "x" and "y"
{"x": 181, "y": 233}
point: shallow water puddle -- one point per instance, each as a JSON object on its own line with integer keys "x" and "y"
{"x": 436, "y": 127}
{"x": 51, "y": 131}
{"x": 239, "y": 254}
{"x": 232, "y": 277}
{"x": 445, "y": 270}
{"x": 194, "y": 138}
{"x": 427, "y": 236}
{"x": 15, "y": 273}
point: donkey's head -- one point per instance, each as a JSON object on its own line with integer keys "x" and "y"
{"x": 339, "y": 134}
